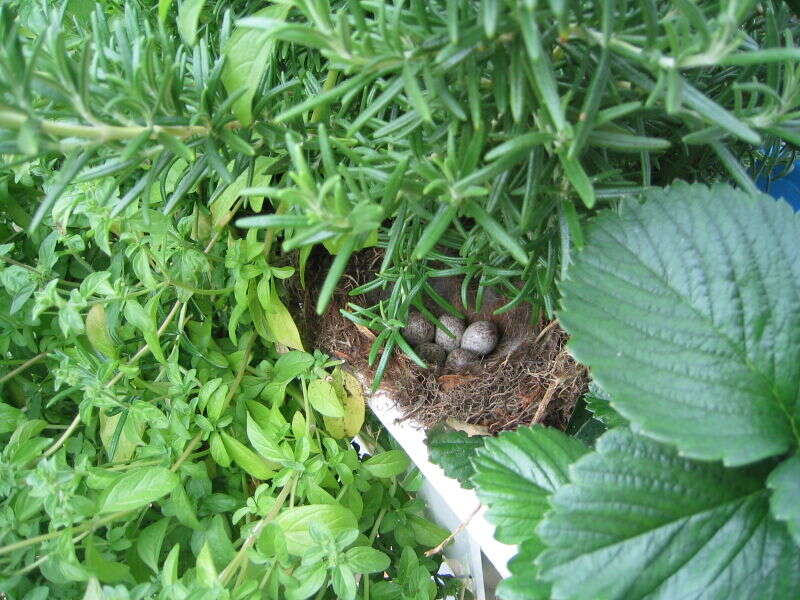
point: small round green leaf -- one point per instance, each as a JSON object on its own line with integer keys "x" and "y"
{"x": 138, "y": 488}
{"x": 363, "y": 559}
{"x": 387, "y": 464}
{"x": 295, "y": 523}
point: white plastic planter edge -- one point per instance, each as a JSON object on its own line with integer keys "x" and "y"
{"x": 462, "y": 502}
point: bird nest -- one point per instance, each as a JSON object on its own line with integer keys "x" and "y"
{"x": 528, "y": 378}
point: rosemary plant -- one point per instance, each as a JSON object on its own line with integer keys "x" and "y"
{"x": 465, "y": 138}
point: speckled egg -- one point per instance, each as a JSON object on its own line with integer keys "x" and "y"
{"x": 480, "y": 337}
{"x": 418, "y": 329}
{"x": 456, "y": 327}
{"x": 433, "y": 354}
{"x": 459, "y": 359}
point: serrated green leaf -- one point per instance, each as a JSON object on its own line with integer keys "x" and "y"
{"x": 138, "y": 488}
{"x": 639, "y": 521}
{"x": 685, "y": 309}
{"x": 590, "y": 431}
{"x": 515, "y": 474}
{"x": 784, "y": 482}
{"x": 453, "y": 451}
{"x": 598, "y": 402}
{"x": 523, "y": 583}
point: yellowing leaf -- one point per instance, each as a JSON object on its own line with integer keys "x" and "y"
{"x": 323, "y": 398}
{"x": 350, "y": 393}
{"x": 97, "y": 331}
{"x": 280, "y": 322}
{"x": 129, "y": 437}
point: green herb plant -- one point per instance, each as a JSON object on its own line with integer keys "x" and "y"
{"x": 163, "y": 431}
{"x": 142, "y": 334}
{"x": 156, "y": 444}
{"x": 470, "y": 139}
{"x": 685, "y": 307}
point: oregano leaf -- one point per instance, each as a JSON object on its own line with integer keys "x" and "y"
{"x": 138, "y": 488}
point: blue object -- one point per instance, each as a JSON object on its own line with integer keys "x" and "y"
{"x": 787, "y": 187}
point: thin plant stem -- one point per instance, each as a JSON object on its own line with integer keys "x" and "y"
{"x": 28, "y": 363}
{"x": 88, "y": 526}
{"x": 12, "y": 119}
{"x": 145, "y": 348}
{"x": 229, "y": 570}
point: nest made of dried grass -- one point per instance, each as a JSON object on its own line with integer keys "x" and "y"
{"x": 529, "y": 378}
